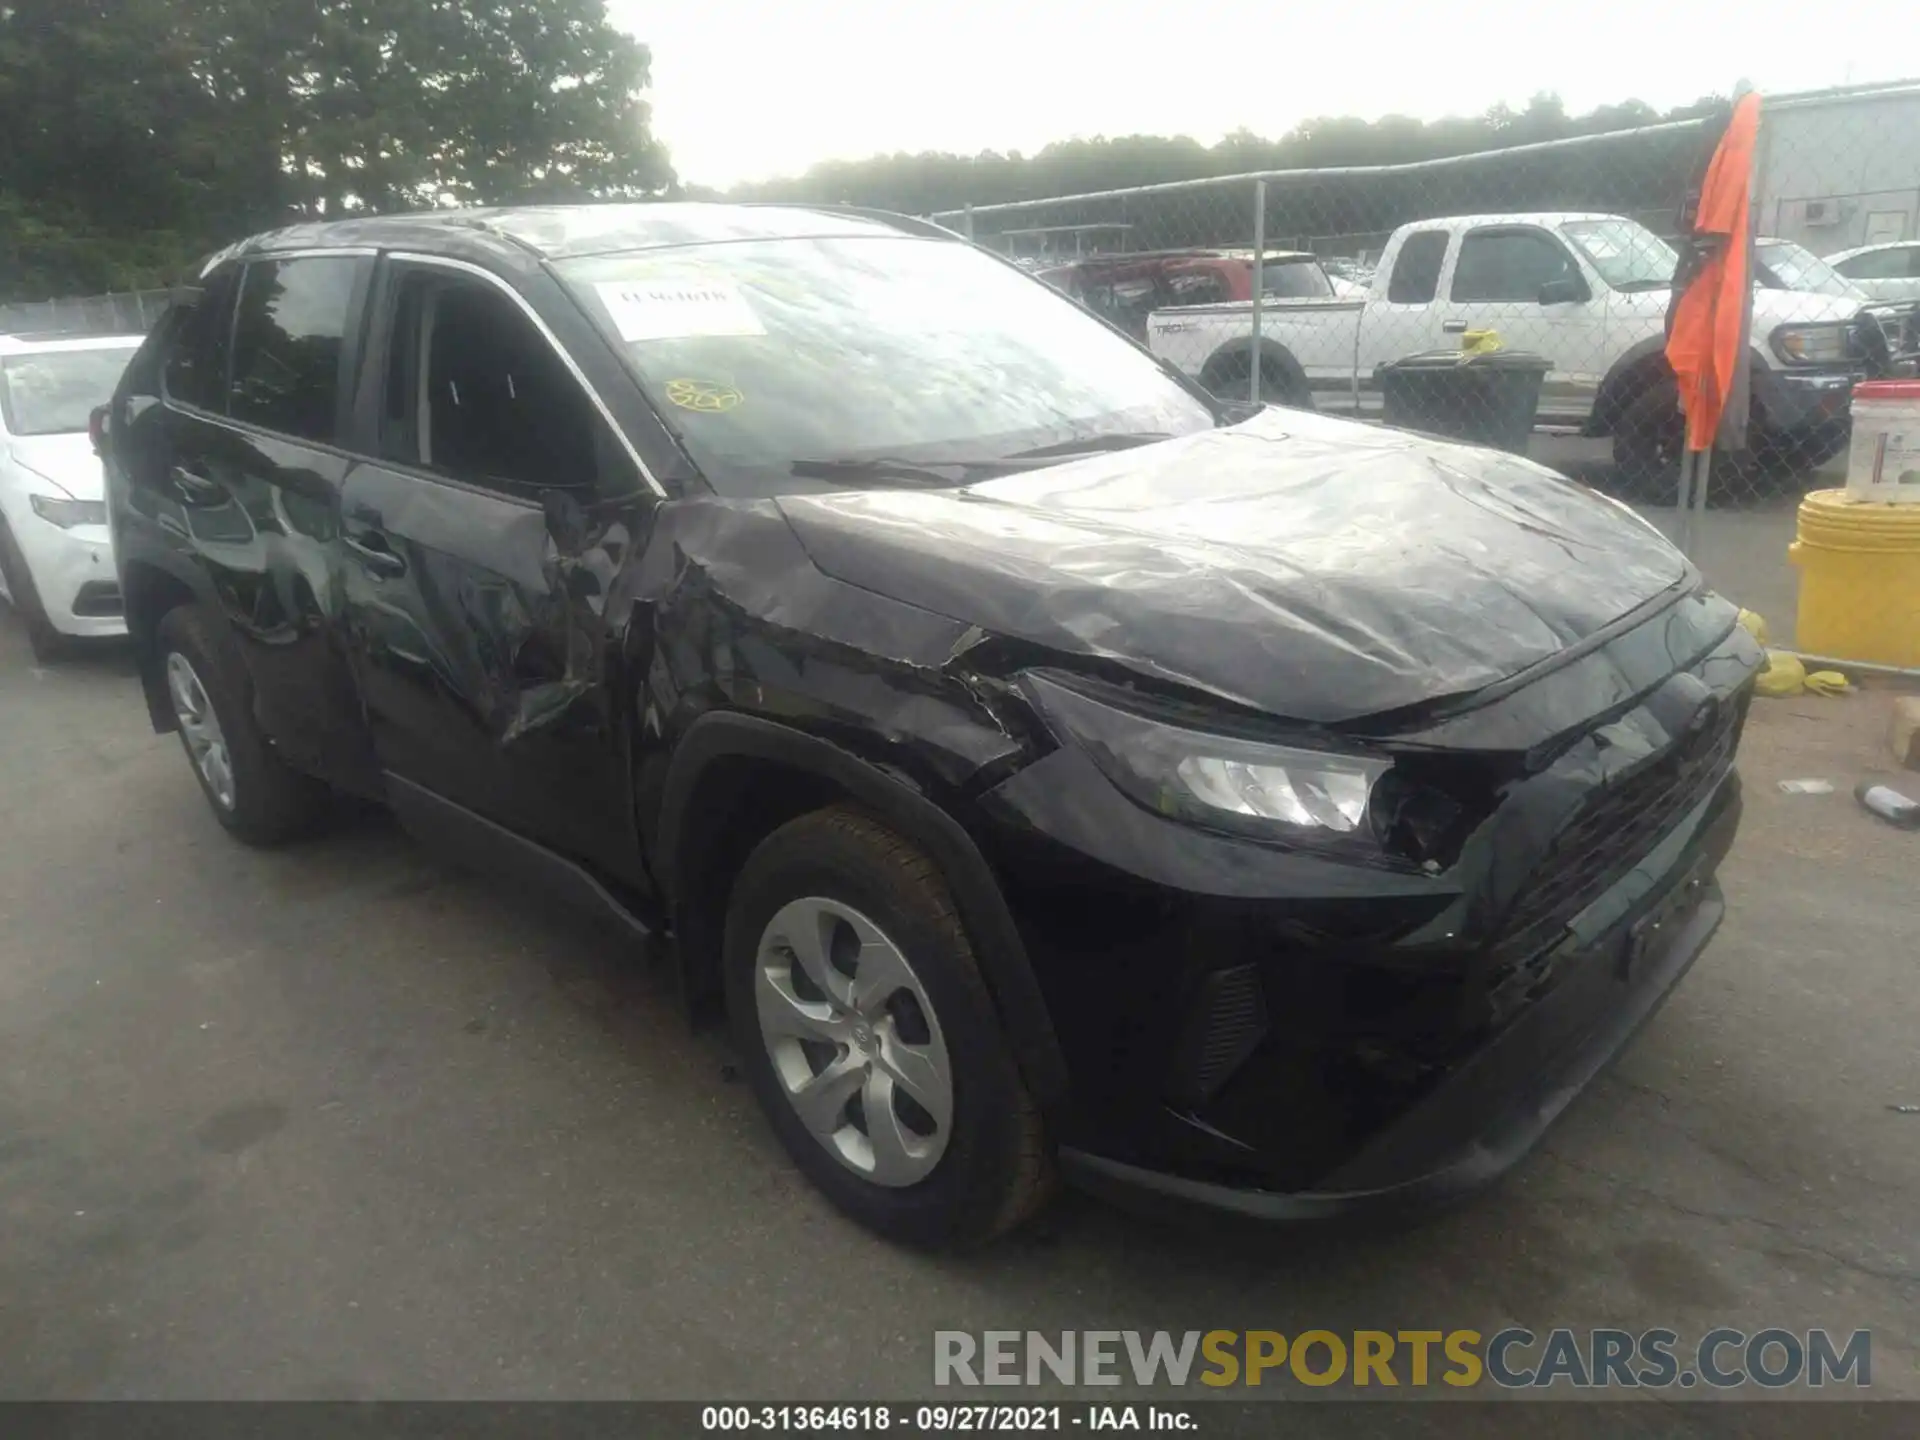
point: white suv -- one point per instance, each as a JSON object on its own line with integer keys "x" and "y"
{"x": 56, "y": 563}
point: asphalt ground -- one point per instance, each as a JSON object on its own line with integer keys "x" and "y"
{"x": 339, "y": 1121}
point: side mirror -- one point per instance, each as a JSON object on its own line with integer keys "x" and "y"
{"x": 1571, "y": 290}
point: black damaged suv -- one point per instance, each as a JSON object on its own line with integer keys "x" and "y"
{"x": 1046, "y": 766}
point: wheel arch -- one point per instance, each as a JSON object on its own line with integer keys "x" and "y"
{"x": 1236, "y": 356}
{"x": 148, "y": 591}
{"x": 735, "y": 778}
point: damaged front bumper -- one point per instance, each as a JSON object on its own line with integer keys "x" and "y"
{"x": 1640, "y": 939}
{"x": 1283, "y": 1034}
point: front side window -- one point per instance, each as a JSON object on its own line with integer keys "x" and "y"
{"x": 474, "y": 391}
{"x": 1628, "y": 256}
{"x": 54, "y": 392}
{"x": 764, "y": 355}
{"x": 1508, "y": 265}
{"x": 199, "y": 330}
{"x": 289, "y": 344}
{"x": 1416, "y": 270}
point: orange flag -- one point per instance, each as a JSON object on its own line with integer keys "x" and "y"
{"x": 1707, "y": 344}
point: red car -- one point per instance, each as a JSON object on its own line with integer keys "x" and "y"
{"x": 1125, "y": 289}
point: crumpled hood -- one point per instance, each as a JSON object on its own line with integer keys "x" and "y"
{"x": 1311, "y": 568}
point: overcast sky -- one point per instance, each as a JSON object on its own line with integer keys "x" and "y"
{"x": 768, "y": 87}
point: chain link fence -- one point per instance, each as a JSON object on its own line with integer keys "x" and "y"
{"x": 130, "y": 312}
{"x": 1518, "y": 298}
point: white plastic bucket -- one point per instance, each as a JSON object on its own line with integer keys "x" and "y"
{"x": 1884, "y": 463}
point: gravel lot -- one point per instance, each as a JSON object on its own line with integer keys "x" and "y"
{"x": 340, "y": 1121}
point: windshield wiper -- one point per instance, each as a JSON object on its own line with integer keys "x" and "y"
{"x": 1090, "y": 444}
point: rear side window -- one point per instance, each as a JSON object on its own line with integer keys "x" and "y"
{"x": 197, "y": 333}
{"x": 1509, "y": 265}
{"x": 1199, "y": 288}
{"x": 289, "y": 344}
{"x": 1880, "y": 264}
{"x": 1416, "y": 272}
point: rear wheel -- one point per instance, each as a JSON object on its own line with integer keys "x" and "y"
{"x": 870, "y": 1038}
{"x": 255, "y": 795}
{"x": 1281, "y": 383}
{"x": 47, "y": 642}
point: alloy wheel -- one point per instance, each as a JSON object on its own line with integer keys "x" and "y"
{"x": 200, "y": 728}
{"x": 854, "y": 1041}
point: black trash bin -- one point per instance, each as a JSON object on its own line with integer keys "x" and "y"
{"x": 1488, "y": 399}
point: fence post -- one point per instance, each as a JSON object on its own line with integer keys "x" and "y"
{"x": 1259, "y": 282}
{"x": 966, "y": 223}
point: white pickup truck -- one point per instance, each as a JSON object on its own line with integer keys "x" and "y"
{"x": 1589, "y": 292}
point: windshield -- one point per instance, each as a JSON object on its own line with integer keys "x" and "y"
{"x": 764, "y": 354}
{"x": 1627, "y": 254}
{"x": 1793, "y": 267}
{"x": 1295, "y": 279}
{"x": 53, "y": 393}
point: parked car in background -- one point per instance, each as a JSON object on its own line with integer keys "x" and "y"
{"x": 1125, "y": 289}
{"x": 1783, "y": 265}
{"x": 1050, "y": 766}
{"x": 56, "y": 566}
{"x": 1589, "y": 292}
{"x": 1888, "y": 271}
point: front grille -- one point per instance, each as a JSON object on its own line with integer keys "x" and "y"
{"x": 97, "y": 600}
{"x": 1613, "y": 832}
{"x": 1899, "y": 327}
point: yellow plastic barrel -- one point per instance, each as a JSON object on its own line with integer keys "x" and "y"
{"x": 1859, "y": 580}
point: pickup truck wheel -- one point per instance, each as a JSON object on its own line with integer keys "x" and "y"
{"x": 870, "y": 1039}
{"x": 1648, "y": 441}
{"x": 1280, "y": 383}
{"x": 255, "y": 795}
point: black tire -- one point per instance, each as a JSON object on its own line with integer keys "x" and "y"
{"x": 995, "y": 1170}
{"x": 1648, "y": 441}
{"x": 271, "y": 803}
{"x": 1281, "y": 382}
{"x": 48, "y": 643}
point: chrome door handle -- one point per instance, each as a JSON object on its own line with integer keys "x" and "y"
{"x": 374, "y": 554}
{"x": 1453, "y": 327}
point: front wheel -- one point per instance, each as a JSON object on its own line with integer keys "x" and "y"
{"x": 870, "y": 1038}
{"x": 255, "y": 795}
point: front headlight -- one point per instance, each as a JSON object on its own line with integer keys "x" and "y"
{"x": 68, "y": 513}
{"x": 1813, "y": 344}
{"x": 1220, "y": 781}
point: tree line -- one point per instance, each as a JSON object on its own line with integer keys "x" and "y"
{"x": 933, "y": 183}
{"x": 136, "y": 135}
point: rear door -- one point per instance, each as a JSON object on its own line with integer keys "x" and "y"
{"x": 1524, "y": 283}
{"x": 246, "y": 483}
{"x": 480, "y": 538}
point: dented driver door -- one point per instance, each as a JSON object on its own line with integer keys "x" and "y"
{"x": 476, "y": 565}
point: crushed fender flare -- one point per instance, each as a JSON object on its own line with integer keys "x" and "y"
{"x": 1002, "y": 954}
